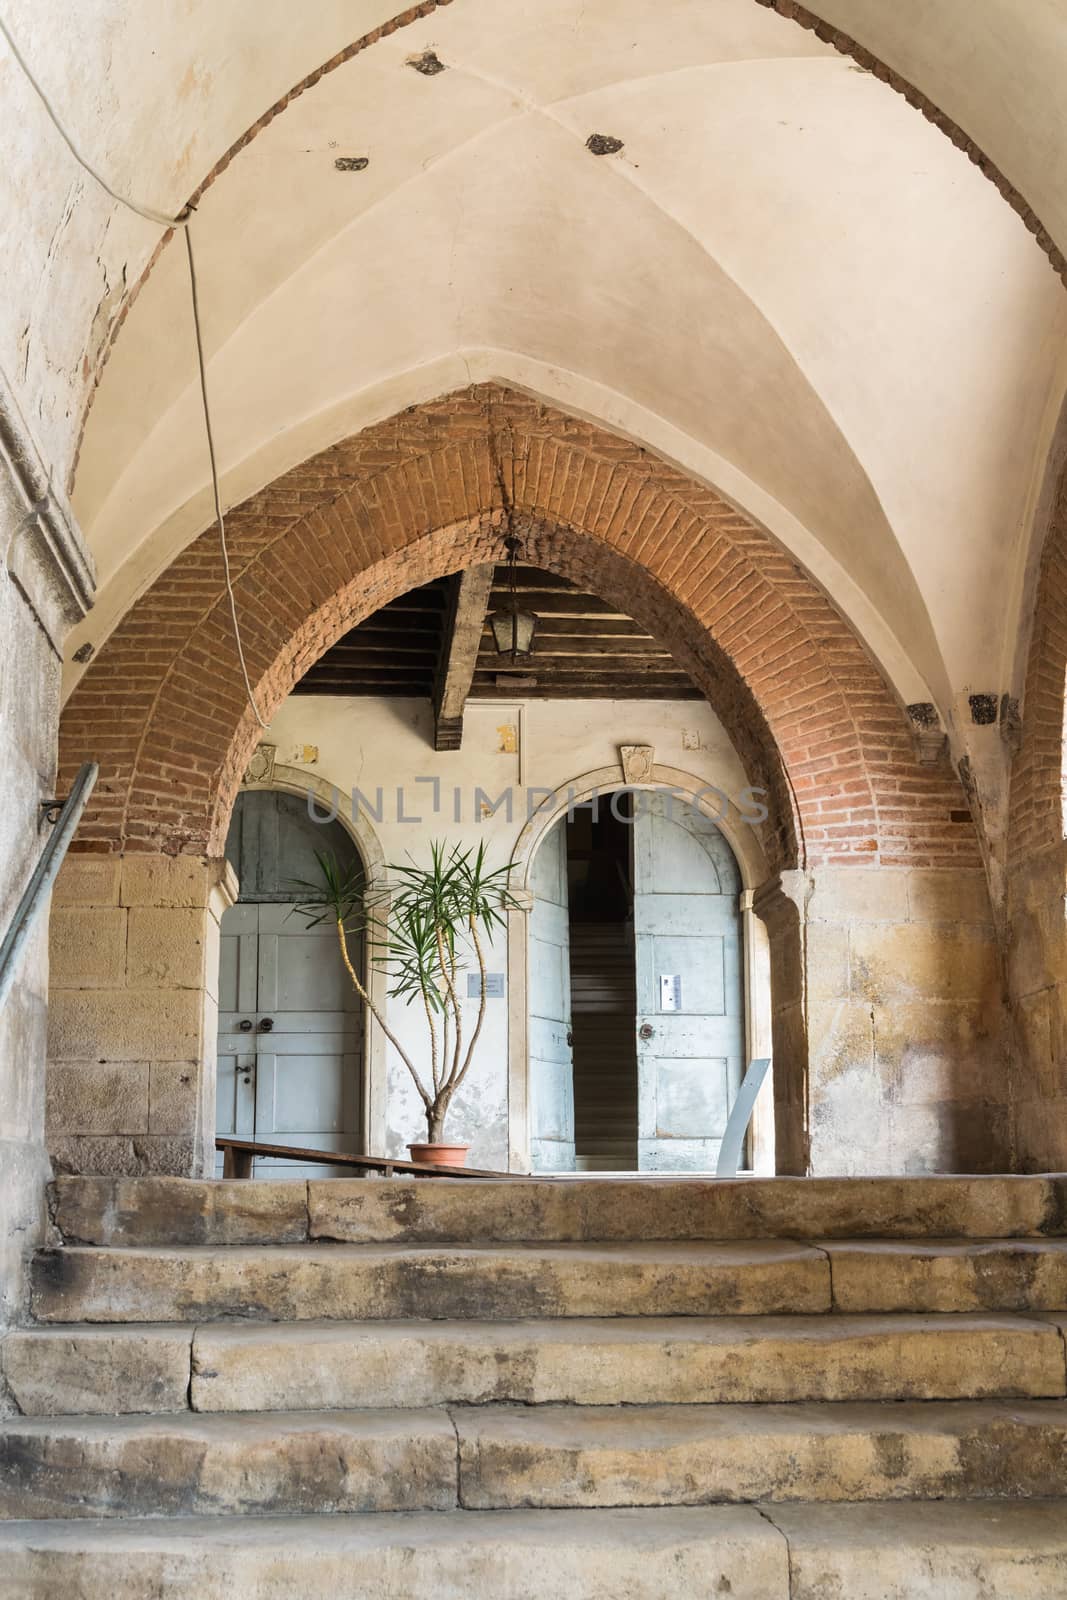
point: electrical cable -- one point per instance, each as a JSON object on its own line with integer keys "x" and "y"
{"x": 161, "y": 219}
{"x": 215, "y": 477}
{"x": 131, "y": 205}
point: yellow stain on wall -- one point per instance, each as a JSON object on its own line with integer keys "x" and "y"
{"x": 305, "y": 755}
{"x": 508, "y": 734}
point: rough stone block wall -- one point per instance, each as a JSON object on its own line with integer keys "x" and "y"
{"x": 906, "y": 1033}
{"x": 133, "y": 1017}
{"x": 1037, "y": 967}
{"x": 29, "y": 685}
{"x": 890, "y": 1041}
{"x": 1036, "y": 931}
{"x": 46, "y": 584}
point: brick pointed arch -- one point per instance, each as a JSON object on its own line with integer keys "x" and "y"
{"x": 163, "y": 710}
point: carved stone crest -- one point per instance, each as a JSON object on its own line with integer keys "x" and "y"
{"x": 261, "y": 767}
{"x": 637, "y": 761}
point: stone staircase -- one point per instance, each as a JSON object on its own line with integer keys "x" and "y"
{"x": 598, "y": 1390}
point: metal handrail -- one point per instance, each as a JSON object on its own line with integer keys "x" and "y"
{"x": 65, "y": 821}
{"x": 740, "y": 1117}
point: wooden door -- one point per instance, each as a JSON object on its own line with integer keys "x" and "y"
{"x": 290, "y": 1023}
{"x": 690, "y": 1001}
{"x": 551, "y": 1077}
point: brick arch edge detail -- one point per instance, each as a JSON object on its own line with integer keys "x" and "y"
{"x": 422, "y": 494}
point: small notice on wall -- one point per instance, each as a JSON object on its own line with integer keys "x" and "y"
{"x": 494, "y": 986}
{"x": 670, "y": 991}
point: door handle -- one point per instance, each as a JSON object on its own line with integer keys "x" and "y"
{"x": 245, "y": 1025}
{"x": 266, "y": 1024}
{"x": 646, "y": 1032}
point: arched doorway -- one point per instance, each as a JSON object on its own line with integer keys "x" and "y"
{"x": 637, "y": 1009}
{"x": 856, "y": 823}
{"x": 291, "y": 1027}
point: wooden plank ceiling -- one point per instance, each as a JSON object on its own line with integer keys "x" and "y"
{"x": 584, "y": 649}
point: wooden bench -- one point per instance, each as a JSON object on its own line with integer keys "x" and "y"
{"x": 239, "y": 1154}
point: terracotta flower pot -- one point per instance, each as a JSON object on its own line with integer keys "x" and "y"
{"x": 440, "y": 1155}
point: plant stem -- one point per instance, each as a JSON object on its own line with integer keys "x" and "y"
{"x": 449, "y": 1071}
{"x": 457, "y": 1078}
{"x": 376, "y": 1014}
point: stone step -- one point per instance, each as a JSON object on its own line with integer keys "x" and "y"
{"x": 190, "y": 1465}
{"x": 521, "y": 1457}
{"x": 322, "y": 1366}
{"x": 98, "y": 1371}
{"x": 633, "y": 1361}
{"x": 949, "y": 1275}
{"x": 151, "y": 1211}
{"x": 982, "y": 1550}
{"x": 744, "y": 1277}
{"x": 163, "y": 1211}
{"x": 948, "y": 1551}
{"x": 701, "y": 1554}
{"x": 568, "y": 1456}
{"x": 289, "y": 1282}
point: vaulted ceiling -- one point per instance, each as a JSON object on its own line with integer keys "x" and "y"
{"x": 785, "y": 278}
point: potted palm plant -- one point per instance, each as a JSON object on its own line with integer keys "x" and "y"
{"x": 425, "y": 928}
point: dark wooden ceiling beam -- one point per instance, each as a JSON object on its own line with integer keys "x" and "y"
{"x": 459, "y": 653}
{"x": 548, "y": 648}
{"x": 435, "y": 642}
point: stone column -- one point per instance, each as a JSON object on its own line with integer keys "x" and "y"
{"x": 1037, "y": 972}
{"x": 133, "y": 1019}
{"x": 780, "y": 904}
{"x": 889, "y": 1023}
{"x": 518, "y": 934}
{"x": 46, "y": 585}
{"x": 759, "y": 1036}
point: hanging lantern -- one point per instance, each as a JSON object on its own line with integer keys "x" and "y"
{"x": 513, "y": 630}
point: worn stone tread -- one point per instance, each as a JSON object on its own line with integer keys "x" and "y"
{"x": 69, "y": 1369}
{"x": 948, "y": 1274}
{"x": 519, "y": 1457}
{"x": 867, "y": 1551}
{"x": 194, "y": 1465}
{"x": 163, "y": 1211}
{"x": 160, "y": 1210}
{"x": 688, "y": 1208}
{"x": 981, "y": 1550}
{"x": 702, "y": 1554}
{"x": 561, "y": 1456}
{"x": 290, "y": 1282}
{"x": 649, "y": 1361}
{"x": 92, "y": 1368}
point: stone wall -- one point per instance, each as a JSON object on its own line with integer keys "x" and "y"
{"x": 891, "y": 1046}
{"x": 1037, "y": 968}
{"x": 133, "y": 1023}
{"x": 1036, "y": 909}
{"x": 45, "y": 585}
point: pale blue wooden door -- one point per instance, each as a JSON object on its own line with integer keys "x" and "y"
{"x": 238, "y": 1002}
{"x": 290, "y": 1023}
{"x": 690, "y": 998}
{"x": 551, "y": 1077}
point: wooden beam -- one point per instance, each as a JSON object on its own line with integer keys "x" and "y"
{"x": 459, "y": 653}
